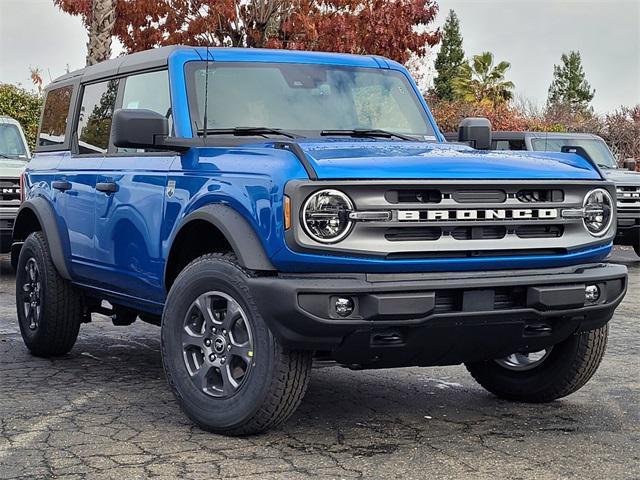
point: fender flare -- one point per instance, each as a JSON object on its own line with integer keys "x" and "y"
{"x": 46, "y": 216}
{"x": 236, "y": 229}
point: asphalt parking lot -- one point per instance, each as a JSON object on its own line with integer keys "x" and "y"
{"x": 104, "y": 411}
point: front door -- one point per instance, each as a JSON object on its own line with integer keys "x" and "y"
{"x": 78, "y": 175}
{"x": 130, "y": 202}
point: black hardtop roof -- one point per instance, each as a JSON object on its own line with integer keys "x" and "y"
{"x": 509, "y": 135}
{"x": 147, "y": 60}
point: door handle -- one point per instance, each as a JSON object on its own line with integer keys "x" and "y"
{"x": 107, "y": 187}
{"x": 61, "y": 185}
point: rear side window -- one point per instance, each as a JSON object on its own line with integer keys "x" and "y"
{"x": 94, "y": 123}
{"x": 54, "y": 117}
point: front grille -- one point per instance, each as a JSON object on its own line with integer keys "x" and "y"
{"x": 455, "y": 219}
{"x": 628, "y": 196}
{"x": 9, "y": 189}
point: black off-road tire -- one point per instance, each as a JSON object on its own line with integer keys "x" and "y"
{"x": 278, "y": 380}
{"x": 568, "y": 367}
{"x": 60, "y": 304}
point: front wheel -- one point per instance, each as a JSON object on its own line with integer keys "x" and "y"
{"x": 228, "y": 372}
{"x": 49, "y": 309}
{"x": 546, "y": 375}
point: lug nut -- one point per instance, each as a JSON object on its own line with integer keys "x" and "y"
{"x": 213, "y": 329}
{"x": 222, "y": 360}
{"x": 229, "y": 347}
{"x": 212, "y": 357}
{"x": 207, "y": 342}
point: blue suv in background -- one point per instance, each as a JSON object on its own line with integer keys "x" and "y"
{"x": 265, "y": 207}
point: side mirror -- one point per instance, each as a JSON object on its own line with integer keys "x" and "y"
{"x": 133, "y": 128}
{"x": 629, "y": 164}
{"x": 475, "y": 132}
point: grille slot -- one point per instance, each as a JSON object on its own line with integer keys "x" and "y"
{"x": 540, "y": 195}
{"x": 413, "y": 196}
{"x": 413, "y": 234}
{"x": 479, "y": 233}
{"x": 540, "y": 231}
{"x": 479, "y": 196}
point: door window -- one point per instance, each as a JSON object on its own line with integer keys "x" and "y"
{"x": 94, "y": 123}
{"x": 148, "y": 91}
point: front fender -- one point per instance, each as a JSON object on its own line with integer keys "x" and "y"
{"x": 45, "y": 216}
{"x": 238, "y": 232}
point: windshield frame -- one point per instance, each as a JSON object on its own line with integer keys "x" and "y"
{"x": 195, "y": 116}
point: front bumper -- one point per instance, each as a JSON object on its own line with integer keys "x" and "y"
{"x": 628, "y": 232}
{"x": 436, "y": 319}
{"x": 6, "y": 231}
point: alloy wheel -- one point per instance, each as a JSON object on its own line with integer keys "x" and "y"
{"x": 524, "y": 361}
{"x": 32, "y": 294}
{"x": 217, "y": 344}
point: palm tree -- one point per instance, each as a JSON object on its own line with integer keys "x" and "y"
{"x": 479, "y": 81}
{"x": 103, "y": 19}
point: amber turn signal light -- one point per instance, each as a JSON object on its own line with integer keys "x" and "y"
{"x": 287, "y": 212}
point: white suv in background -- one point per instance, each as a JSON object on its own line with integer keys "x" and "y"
{"x": 14, "y": 154}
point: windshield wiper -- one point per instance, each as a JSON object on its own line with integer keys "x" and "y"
{"x": 366, "y": 132}
{"x": 249, "y": 131}
{"x": 605, "y": 166}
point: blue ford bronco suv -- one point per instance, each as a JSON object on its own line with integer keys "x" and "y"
{"x": 269, "y": 207}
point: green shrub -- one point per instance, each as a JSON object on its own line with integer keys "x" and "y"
{"x": 24, "y": 106}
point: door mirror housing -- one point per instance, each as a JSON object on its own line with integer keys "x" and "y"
{"x": 475, "y": 132}
{"x": 140, "y": 128}
{"x": 629, "y": 164}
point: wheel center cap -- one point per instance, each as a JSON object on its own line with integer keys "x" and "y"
{"x": 219, "y": 344}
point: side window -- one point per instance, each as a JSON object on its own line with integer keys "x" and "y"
{"x": 94, "y": 123}
{"x": 54, "y": 117}
{"x": 149, "y": 91}
{"x": 501, "y": 145}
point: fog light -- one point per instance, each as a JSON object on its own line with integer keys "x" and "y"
{"x": 591, "y": 293}
{"x": 344, "y": 306}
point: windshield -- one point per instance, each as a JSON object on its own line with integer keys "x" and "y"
{"x": 595, "y": 147}
{"x": 305, "y": 99}
{"x": 11, "y": 143}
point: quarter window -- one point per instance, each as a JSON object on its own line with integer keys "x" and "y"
{"x": 54, "y": 117}
{"x": 94, "y": 123}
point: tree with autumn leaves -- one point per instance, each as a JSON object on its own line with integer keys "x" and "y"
{"x": 393, "y": 28}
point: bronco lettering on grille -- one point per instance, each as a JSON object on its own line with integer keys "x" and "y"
{"x": 462, "y": 215}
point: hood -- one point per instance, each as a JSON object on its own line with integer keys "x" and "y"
{"x": 622, "y": 176}
{"x": 10, "y": 168}
{"x": 422, "y": 160}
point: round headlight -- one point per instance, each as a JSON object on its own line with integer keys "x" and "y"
{"x": 598, "y": 212}
{"x": 325, "y": 216}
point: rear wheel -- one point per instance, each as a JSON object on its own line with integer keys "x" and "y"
{"x": 49, "y": 308}
{"x": 545, "y": 375}
{"x": 227, "y": 370}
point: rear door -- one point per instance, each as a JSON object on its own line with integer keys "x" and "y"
{"x": 129, "y": 211}
{"x": 78, "y": 175}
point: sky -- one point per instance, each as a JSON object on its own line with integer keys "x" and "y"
{"x": 531, "y": 34}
